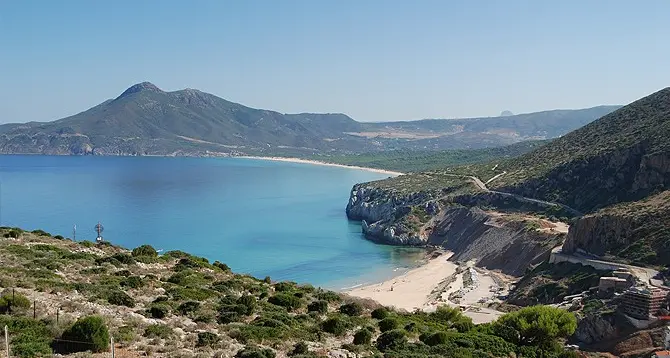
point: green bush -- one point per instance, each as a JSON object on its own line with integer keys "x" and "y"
{"x": 249, "y": 302}
{"x": 380, "y": 313}
{"x": 189, "y": 307}
{"x": 223, "y": 267}
{"x": 388, "y": 324}
{"x": 206, "y": 339}
{"x": 362, "y": 337}
{"x": 144, "y": 250}
{"x": 318, "y": 306}
{"x": 335, "y": 325}
{"x": 391, "y": 340}
{"x": 285, "y": 286}
{"x": 267, "y": 280}
{"x": 329, "y": 296}
{"x": 436, "y": 338}
{"x": 120, "y": 298}
{"x": 351, "y": 309}
{"x": 124, "y": 334}
{"x": 540, "y": 326}
{"x": 159, "y": 310}
{"x": 11, "y": 301}
{"x": 28, "y": 337}
{"x": 158, "y": 331}
{"x": 255, "y": 352}
{"x": 133, "y": 282}
{"x": 287, "y": 301}
{"x": 91, "y": 332}
{"x": 300, "y": 348}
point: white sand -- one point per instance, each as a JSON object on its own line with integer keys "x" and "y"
{"x": 410, "y": 290}
{"x": 318, "y": 162}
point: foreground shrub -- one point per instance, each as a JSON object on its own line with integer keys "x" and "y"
{"x": 159, "y": 310}
{"x": 287, "y": 301}
{"x": 318, "y": 306}
{"x": 255, "y": 352}
{"x": 540, "y": 326}
{"x": 28, "y": 337}
{"x": 329, "y": 296}
{"x": 206, "y": 339}
{"x": 352, "y": 309}
{"x": 144, "y": 250}
{"x": 335, "y": 325}
{"x": 9, "y": 302}
{"x": 436, "y": 338}
{"x": 363, "y": 337}
{"x": 158, "y": 331}
{"x": 391, "y": 340}
{"x": 189, "y": 307}
{"x": 380, "y": 313}
{"x": 300, "y": 348}
{"x": 120, "y": 298}
{"x": 91, "y": 332}
{"x": 388, "y": 324}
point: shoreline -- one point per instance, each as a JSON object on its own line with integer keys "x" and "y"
{"x": 438, "y": 282}
{"x": 318, "y": 162}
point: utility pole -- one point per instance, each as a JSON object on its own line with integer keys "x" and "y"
{"x": 6, "y": 341}
{"x": 74, "y": 233}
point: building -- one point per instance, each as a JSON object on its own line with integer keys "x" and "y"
{"x": 612, "y": 284}
{"x": 643, "y": 302}
{"x": 626, "y": 275}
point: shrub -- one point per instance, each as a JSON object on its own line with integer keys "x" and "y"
{"x": 318, "y": 306}
{"x": 144, "y": 250}
{"x": 120, "y": 298}
{"x": 300, "y": 348}
{"x": 158, "y": 331}
{"x": 29, "y": 337}
{"x": 133, "y": 282}
{"x": 329, "y": 296}
{"x": 388, "y": 324}
{"x": 288, "y": 301}
{"x": 91, "y": 332}
{"x": 255, "y": 352}
{"x": 267, "y": 280}
{"x": 363, "y": 337}
{"x": 464, "y": 325}
{"x": 285, "y": 286}
{"x": 335, "y": 325}
{"x": 391, "y": 340}
{"x": 159, "y": 310}
{"x": 124, "y": 334}
{"x": 10, "y": 301}
{"x": 436, "y": 338}
{"x": 223, "y": 267}
{"x": 188, "y": 307}
{"x": 540, "y": 326}
{"x": 351, "y": 309}
{"x": 380, "y": 313}
{"x": 206, "y": 339}
{"x": 249, "y": 302}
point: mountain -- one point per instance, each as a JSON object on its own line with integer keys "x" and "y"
{"x": 623, "y": 156}
{"x": 145, "y": 120}
{"x": 506, "y": 113}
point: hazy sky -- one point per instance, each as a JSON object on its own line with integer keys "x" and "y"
{"x": 371, "y": 59}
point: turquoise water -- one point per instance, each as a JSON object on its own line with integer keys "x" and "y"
{"x": 277, "y": 219}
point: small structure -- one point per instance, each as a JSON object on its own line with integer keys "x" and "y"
{"x": 99, "y": 229}
{"x": 609, "y": 285}
{"x": 644, "y": 302}
{"x": 626, "y": 275}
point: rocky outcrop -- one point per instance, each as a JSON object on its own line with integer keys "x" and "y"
{"x": 596, "y": 328}
{"x": 421, "y": 218}
{"x": 636, "y": 232}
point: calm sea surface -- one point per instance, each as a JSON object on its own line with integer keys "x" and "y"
{"x": 265, "y": 218}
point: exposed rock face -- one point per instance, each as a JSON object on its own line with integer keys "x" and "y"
{"x": 637, "y": 232}
{"x": 469, "y": 232}
{"x": 596, "y": 328}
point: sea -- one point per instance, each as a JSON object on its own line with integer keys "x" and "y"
{"x": 260, "y": 217}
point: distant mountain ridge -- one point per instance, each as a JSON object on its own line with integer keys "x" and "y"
{"x": 145, "y": 120}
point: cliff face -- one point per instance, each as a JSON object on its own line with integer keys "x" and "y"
{"x": 493, "y": 240}
{"x": 636, "y": 232}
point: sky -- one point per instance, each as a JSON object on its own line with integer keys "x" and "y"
{"x": 375, "y": 60}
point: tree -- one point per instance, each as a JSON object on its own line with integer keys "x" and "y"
{"x": 538, "y": 326}
{"x": 363, "y": 337}
{"x": 91, "y": 331}
{"x": 391, "y": 340}
{"x": 144, "y": 250}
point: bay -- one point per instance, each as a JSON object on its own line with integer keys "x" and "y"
{"x": 264, "y": 218}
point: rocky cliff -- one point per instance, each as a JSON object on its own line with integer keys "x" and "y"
{"x": 508, "y": 241}
{"x": 637, "y": 232}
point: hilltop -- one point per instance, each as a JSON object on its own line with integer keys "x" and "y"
{"x": 145, "y": 120}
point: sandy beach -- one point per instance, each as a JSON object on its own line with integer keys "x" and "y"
{"x": 318, "y": 162}
{"x": 438, "y": 282}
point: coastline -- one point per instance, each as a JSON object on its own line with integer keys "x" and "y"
{"x": 439, "y": 282}
{"x": 318, "y": 162}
